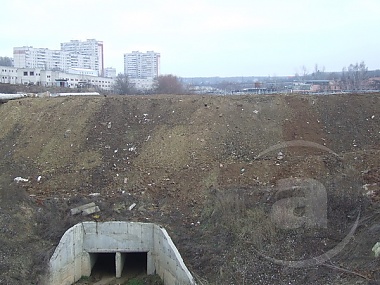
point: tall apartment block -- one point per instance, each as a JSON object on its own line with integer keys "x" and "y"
{"x": 142, "y": 65}
{"x": 74, "y": 54}
{"x": 91, "y": 48}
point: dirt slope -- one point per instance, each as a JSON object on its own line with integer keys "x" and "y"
{"x": 194, "y": 164}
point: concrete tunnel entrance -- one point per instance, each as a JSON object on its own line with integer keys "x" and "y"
{"x": 118, "y": 249}
{"x": 127, "y": 264}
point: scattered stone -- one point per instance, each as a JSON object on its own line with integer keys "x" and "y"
{"x": 67, "y": 133}
{"x": 94, "y": 194}
{"x": 280, "y": 156}
{"x": 39, "y": 178}
{"x": 109, "y": 125}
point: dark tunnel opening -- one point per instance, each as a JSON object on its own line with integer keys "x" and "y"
{"x": 104, "y": 265}
{"x": 135, "y": 263}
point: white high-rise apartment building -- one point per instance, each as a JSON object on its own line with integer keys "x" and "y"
{"x": 75, "y": 54}
{"x": 91, "y": 48}
{"x": 29, "y": 57}
{"x": 142, "y": 65}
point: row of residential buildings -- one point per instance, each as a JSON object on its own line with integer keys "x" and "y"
{"x": 75, "y": 78}
{"x": 78, "y": 63}
{"x": 136, "y": 64}
{"x": 74, "y": 54}
{"x": 89, "y": 55}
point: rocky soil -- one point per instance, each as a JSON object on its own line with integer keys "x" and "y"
{"x": 210, "y": 170}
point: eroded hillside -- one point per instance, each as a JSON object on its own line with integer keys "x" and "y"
{"x": 205, "y": 167}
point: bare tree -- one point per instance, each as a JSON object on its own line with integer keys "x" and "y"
{"x": 355, "y": 76}
{"x": 319, "y": 72}
{"x": 169, "y": 84}
{"x": 6, "y": 61}
{"x": 123, "y": 86}
{"x": 304, "y": 71}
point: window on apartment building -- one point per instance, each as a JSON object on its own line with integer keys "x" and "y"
{"x": 31, "y": 73}
{"x": 25, "y": 73}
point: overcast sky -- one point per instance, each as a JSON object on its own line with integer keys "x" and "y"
{"x": 205, "y": 37}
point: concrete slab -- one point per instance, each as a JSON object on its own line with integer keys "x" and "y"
{"x": 79, "y": 209}
{"x": 90, "y": 211}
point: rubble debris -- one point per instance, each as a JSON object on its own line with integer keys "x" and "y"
{"x": 90, "y": 211}
{"x": 376, "y": 249}
{"x": 67, "y": 133}
{"x": 130, "y": 208}
{"x": 20, "y": 179}
{"x": 80, "y": 209}
{"x": 133, "y": 148}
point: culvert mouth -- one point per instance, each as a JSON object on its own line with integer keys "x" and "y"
{"x": 119, "y": 264}
{"x": 116, "y": 248}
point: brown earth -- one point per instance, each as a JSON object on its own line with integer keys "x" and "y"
{"x": 207, "y": 168}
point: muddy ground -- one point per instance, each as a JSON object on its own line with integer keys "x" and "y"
{"x": 210, "y": 169}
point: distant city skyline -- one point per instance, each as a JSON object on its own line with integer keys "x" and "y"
{"x": 205, "y": 38}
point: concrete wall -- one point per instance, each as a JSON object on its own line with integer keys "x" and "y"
{"x": 67, "y": 260}
{"x": 168, "y": 262}
{"x": 75, "y": 255}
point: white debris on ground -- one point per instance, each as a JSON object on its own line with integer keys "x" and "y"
{"x": 86, "y": 209}
{"x": 20, "y": 179}
{"x": 130, "y": 208}
{"x": 376, "y": 249}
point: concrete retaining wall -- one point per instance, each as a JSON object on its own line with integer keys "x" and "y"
{"x": 75, "y": 255}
